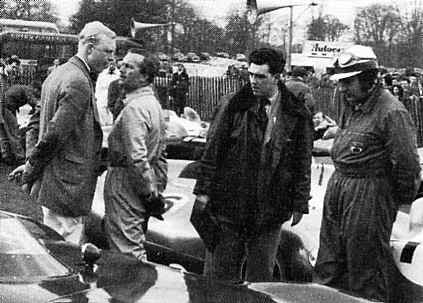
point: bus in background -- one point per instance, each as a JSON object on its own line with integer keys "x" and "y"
{"x": 38, "y": 48}
{"x": 27, "y": 26}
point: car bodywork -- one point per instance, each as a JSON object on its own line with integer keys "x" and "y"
{"x": 39, "y": 266}
{"x": 174, "y": 240}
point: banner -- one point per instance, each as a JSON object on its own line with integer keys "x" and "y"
{"x": 324, "y": 49}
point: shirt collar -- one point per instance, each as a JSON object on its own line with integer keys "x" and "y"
{"x": 139, "y": 92}
{"x": 274, "y": 98}
{"x": 85, "y": 62}
{"x": 368, "y": 105}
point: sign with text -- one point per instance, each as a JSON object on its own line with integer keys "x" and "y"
{"x": 324, "y": 49}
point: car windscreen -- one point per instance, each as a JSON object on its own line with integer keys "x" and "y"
{"x": 22, "y": 257}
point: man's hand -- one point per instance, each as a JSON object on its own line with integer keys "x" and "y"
{"x": 330, "y": 132}
{"x": 296, "y": 218}
{"x": 16, "y": 174}
{"x": 31, "y": 189}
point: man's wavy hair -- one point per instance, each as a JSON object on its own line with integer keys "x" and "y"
{"x": 149, "y": 66}
{"x": 272, "y": 57}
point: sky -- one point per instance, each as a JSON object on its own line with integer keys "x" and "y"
{"x": 218, "y": 9}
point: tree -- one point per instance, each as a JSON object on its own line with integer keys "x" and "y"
{"x": 197, "y": 33}
{"x": 408, "y": 48}
{"x": 34, "y": 10}
{"x": 116, "y": 14}
{"x": 240, "y": 35}
{"x": 326, "y": 28}
{"x": 378, "y": 25}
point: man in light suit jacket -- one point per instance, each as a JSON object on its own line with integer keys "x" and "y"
{"x": 62, "y": 169}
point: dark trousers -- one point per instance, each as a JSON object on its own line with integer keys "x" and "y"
{"x": 354, "y": 252}
{"x": 259, "y": 253}
{"x": 179, "y": 102}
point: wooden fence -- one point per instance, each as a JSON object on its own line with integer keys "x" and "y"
{"x": 205, "y": 93}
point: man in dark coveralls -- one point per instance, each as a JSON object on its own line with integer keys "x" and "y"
{"x": 255, "y": 171}
{"x": 376, "y": 170}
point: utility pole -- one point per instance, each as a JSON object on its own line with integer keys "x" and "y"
{"x": 289, "y": 52}
{"x": 254, "y": 11}
{"x": 172, "y": 31}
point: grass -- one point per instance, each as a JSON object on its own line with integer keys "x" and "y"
{"x": 13, "y": 199}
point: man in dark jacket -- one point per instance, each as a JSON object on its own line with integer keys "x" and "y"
{"x": 255, "y": 171}
{"x": 179, "y": 88}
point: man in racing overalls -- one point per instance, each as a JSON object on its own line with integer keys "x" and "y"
{"x": 376, "y": 170}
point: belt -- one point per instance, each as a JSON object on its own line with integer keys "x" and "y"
{"x": 362, "y": 172}
{"x": 118, "y": 163}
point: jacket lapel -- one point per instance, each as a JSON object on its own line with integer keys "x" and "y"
{"x": 286, "y": 120}
{"x": 81, "y": 65}
{"x": 289, "y": 111}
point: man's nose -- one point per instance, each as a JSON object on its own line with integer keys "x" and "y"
{"x": 122, "y": 70}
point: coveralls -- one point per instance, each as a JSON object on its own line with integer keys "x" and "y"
{"x": 136, "y": 152}
{"x": 376, "y": 170}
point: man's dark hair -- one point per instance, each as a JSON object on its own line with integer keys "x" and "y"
{"x": 272, "y": 57}
{"x": 368, "y": 78}
{"x": 149, "y": 66}
{"x": 299, "y": 71}
{"x": 388, "y": 79}
{"x": 36, "y": 85}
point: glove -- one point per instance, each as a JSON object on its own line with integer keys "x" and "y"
{"x": 155, "y": 206}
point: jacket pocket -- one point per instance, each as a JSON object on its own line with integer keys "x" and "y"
{"x": 75, "y": 158}
{"x": 73, "y": 169}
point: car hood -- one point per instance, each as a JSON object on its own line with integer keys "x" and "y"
{"x": 157, "y": 283}
{"x": 112, "y": 271}
{"x": 121, "y": 278}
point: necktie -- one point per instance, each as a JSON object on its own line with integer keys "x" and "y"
{"x": 262, "y": 114}
{"x": 93, "y": 76}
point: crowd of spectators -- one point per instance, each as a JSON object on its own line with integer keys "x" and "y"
{"x": 14, "y": 95}
{"x": 405, "y": 86}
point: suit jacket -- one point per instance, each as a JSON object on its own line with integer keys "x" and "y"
{"x": 253, "y": 185}
{"x": 67, "y": 154}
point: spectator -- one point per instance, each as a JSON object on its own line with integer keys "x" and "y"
{"x": 115, "y": 95}
{"x": 296, "y": 83}
{"x": 104, "y": 79}
{"x": 11, "y": 141}
{"x": 56, "y": 63}
{"x": 14, "y": 70}
{"x": 179, "y": 88}
{"x": 397, "y": 91}
{"x": 405, "y": 84}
